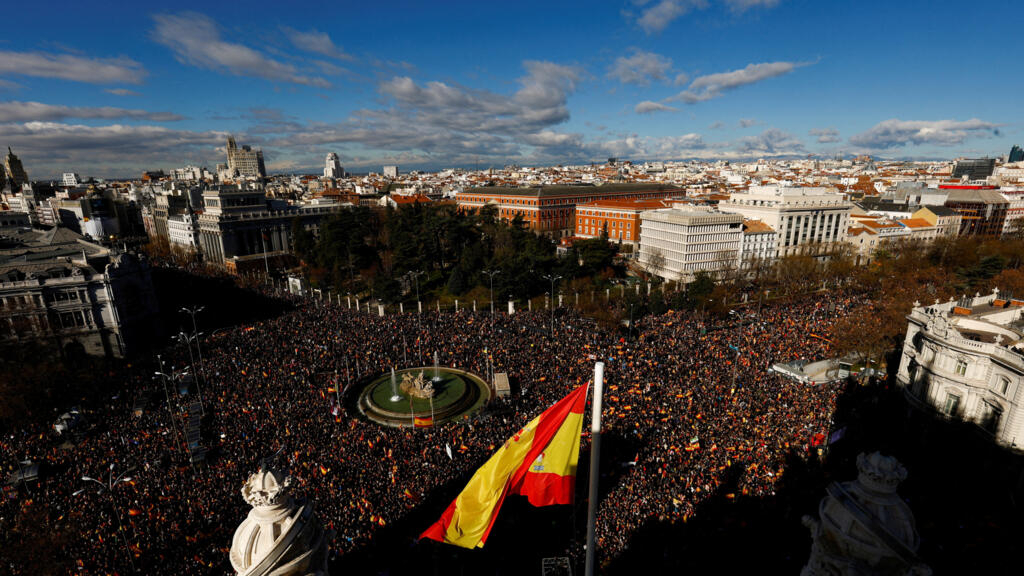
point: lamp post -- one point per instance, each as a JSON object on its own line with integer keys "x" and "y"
{"x": 109, "y": 486}
{"x": 169, "y": 378}
{"x": 491, "y": 274}
{"x": 553, "y": 279}
{"x": 187, "y": 340}
{"x": 195, "y": 332}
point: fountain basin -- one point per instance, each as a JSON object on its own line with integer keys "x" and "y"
{"x": 458, "y": 394}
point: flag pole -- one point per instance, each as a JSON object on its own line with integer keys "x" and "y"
{"x": 595, "y": 454}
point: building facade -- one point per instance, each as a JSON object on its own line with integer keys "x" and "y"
{"x": 982, "y": 209}
{"x": 332, "y": 167}
{"x": 965, "y": 359}
{"x": 58, "y": 290}
{"x": 619, "y": 219}
{"x": 946, "y": 220}
{"x": 974, "y": 169}
{"x": 807, "y": 220}
{"x": 551, "y": 210}
{"x": 16, "y": 175}
{"x": 183, "y": 230}
{"x": 676, "y": 244}
{"x": 238, "y": 224}
{"x": 760, "y": 243}
{"x": 245, "y": 162}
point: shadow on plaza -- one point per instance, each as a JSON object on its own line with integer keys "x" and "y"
{"x": 963, "y": 490}
{"x": 225, "y": 304}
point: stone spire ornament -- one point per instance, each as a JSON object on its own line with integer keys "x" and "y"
{"x": 279, "y": 537}
{"x": 865, "y": 528}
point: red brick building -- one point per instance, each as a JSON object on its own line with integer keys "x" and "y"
{"x": 551, "y": 210}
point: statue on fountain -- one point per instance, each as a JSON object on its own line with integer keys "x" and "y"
{"x": 417, "y": 386}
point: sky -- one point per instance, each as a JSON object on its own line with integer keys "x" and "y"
{"x": 112, "y": 89}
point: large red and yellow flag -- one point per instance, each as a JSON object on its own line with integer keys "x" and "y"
{"x": 538, "y": 462}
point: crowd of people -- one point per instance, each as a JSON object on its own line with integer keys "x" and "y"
{"x": 690, "y": 397}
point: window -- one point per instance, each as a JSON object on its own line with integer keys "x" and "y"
{"x": 1004, "y": 385}
{"x": 961, "y": 367}
{"x": 952, "y": 405}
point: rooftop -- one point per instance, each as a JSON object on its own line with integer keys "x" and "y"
{"x": 574, "y": 190}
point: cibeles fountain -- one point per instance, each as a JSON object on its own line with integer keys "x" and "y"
{"x": 865, "y": 528}
{"x": 422, "y": 396}
{"x": 280, "y": 536}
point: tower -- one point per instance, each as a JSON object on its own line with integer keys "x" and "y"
{"x": 332, "y": 166}
{"x": 15, "y": 171}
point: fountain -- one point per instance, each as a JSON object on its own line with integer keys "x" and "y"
{"x": 395, "y": 396}
{"x": 437, "y": 372}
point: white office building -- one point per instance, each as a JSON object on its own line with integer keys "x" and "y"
{"x": 965, "y": 359}
{"x": 332, "y": 166}
{"x": 807, "y": 220}
{"x": 391, "y": 171}
{"x": 676, "y": 244}
{"x": 70, "y": 179}
{"x": 183, "y": 230}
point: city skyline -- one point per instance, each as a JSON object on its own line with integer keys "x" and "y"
{"x": 480, "y": 85}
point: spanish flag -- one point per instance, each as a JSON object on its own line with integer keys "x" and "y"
{"x": 423, "y": 422}
{"x": 538, "y": 462}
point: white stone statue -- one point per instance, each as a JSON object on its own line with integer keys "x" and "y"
{"x": 865, "y": 527}
{"x": 280, "y": 537}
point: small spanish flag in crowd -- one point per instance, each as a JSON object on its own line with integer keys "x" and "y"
{"x": 538, "y": 462}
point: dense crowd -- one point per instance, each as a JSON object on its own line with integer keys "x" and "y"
{"x": 691, "y": 397}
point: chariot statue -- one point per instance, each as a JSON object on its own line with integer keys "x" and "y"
{"x": 417, "y": 386}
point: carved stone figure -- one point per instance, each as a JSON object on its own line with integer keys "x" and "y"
{"x": 280, "y": 537}
{"x": 865, "y": 527}
{"x": 417, "y": 385}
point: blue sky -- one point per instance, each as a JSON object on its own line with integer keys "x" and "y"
{"x": 110, "y": 90}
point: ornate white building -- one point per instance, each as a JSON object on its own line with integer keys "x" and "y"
{"x": 965, "y": 359}
{"x": 806, "y": 219}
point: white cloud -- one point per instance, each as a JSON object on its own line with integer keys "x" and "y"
{"x": 681, "y": 79}
{"x": 895, "y": 133}
{"x": 71, "y": 67}
{"x": 37, "y": 111}
{"x": 747, "y": 122}
{"x": 196, "y": 40}
{"x": 647, "y": 107}
{"x": 640, "y": 68}
{"x": 439, "y": 122}
{"x": 121, "y": 92}
{"x": 713, "y": 85}
{"x": 656, "y": 18}
{"x": 48, "y": 148}
{"x": 316, "y": 42}
{"x": 744, "y": 5}
{"x": 826, "y": 135}
{"x": 771, "y": 142}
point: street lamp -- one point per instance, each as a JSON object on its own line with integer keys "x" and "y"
{"x": 108, "y": 486}
{"x": 187, "y": 340}
{"x": 196, "y": 334}
{"x": 553, "y": 279}
{"x": 491, "y": 274}
{"x": 195, "y": 330}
